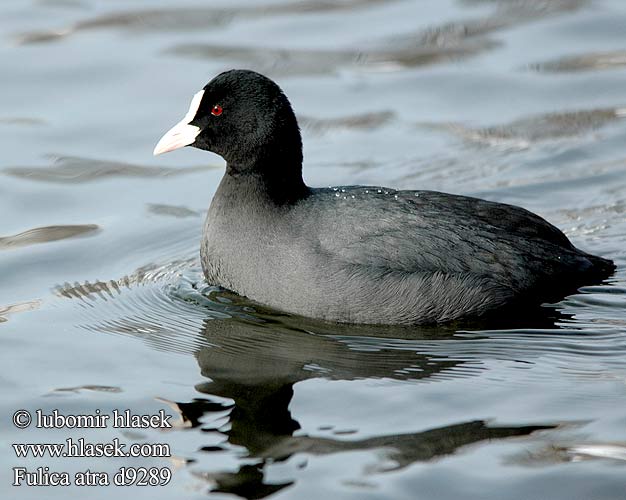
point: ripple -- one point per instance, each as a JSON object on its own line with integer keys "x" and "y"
{"x": 155, "y": 304}
{"x": 74, "y": 170}
{"x": 286, "y": 62}
{"x": 571, "y": 352}
{"x": 170, "y": 307}
{"x": 365, "y": 121}
{"x": 613, "y": 451}
{"x": 450, "y": 41}
{"x": 179, "y": 212}
{"x": 46, "y": 234}
{"x": 591, "y": 220}
{"x": 583, "y": 62}
{"x": 492, "y": 173}
{"x": 22, "y": 121}
{"x": 150, "y": 273}
{"x": 17, "y": 308}
{"x": 526, "y": 131}
{"x": 92, "y": 388}
{"x": 184, "y": 19}
{"x": 393, "y": 451}
{"x": 559, "y": 452}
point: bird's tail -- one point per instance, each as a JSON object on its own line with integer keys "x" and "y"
{"x": 599, "y": 267}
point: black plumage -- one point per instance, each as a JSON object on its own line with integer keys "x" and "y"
{"x": 362, "y": 254}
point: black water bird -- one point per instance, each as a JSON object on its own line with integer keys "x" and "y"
{"x": 358, "y": 254}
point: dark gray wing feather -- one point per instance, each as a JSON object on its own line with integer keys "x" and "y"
{"x": 426, "y": 232}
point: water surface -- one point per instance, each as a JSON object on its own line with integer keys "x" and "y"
{"x": 103, "y": 305}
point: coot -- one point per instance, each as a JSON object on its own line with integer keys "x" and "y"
{"x": 357, "y": 254}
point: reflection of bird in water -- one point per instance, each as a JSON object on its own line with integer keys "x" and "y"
{"x": 255, "y": 358}
{"x": 257, "y": 365}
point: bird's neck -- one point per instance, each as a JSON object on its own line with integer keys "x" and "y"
{"x": 265, "y": 181}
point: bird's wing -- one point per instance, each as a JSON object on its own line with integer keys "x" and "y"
{"x": 430, "y": 232}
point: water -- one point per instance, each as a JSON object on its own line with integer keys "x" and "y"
{"x": 102, "y": 303}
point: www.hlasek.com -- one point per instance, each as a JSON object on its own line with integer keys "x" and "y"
{"x": 79, "y": 448}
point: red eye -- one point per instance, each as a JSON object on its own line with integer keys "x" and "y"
{"x": 216, "y": 110}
